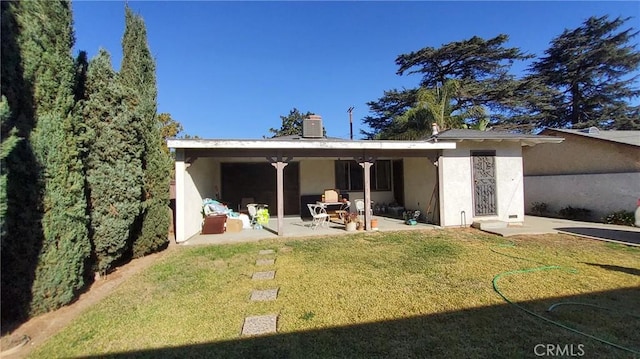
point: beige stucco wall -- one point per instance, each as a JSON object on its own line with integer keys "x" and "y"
{"x": 600, "y": 193}
{"x": 580, "y": 155}
{"x": 316, "y": 176}
{"x": 456, "y": 184}
{"x": 420, "y": 178}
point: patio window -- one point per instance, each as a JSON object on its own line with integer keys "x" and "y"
{"x": 350, "y": 177}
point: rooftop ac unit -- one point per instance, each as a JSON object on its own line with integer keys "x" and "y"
{"x": 312, "y": 127}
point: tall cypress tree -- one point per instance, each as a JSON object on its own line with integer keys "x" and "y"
{"x": 23, "y": 239}
{"x": 66, "y": 247}
{"x": 8, "y": 144}
{"x": 138, "y": 74}
{"x": 113, "y": 165}
{"x": 44, "y": 45}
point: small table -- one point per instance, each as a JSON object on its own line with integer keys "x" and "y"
{"x": 338, "y": 214}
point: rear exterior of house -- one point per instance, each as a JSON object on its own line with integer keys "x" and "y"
{"x": 591, "y": 169}
{"x": 455, "y": 178}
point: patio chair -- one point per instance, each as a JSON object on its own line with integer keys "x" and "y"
{"x": 319, "y": 215}
{"x": 331, "y": 195}
{"x": 252, "y": 208}
{"x": 244, "y": 202}
{"x": 360, "y": 206}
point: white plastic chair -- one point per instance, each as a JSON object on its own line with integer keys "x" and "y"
{"x": 319, "y": 215}
{"x": 253, "y": 211}
{"x": 360, "y": 206}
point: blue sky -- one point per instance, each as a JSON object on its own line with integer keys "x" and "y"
{"x": 231, "y": 69}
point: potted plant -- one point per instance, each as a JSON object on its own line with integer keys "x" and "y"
{"x": 351, "y": 221}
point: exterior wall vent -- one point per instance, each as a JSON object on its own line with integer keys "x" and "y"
{"x": 312, "y": 127}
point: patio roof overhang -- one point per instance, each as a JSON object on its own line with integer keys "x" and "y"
{"x": 307, "y": 148}
{"x": 465, "y": 135}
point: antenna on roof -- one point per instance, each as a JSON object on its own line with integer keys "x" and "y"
{"x": 350, "y": 110}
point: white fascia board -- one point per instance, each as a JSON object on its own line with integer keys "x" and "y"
{"x": 306, "y": 144}
{"x": 523, "y": 141}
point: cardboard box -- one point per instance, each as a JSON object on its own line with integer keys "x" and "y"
{"x": 234, "y": 225}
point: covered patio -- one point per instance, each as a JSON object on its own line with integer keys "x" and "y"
{"x": 454, "y": 178}
{"x": 203, "y": 170}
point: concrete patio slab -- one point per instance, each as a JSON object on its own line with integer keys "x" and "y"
{"x": 542, "y": 225}
{"x": 296, "y": 227}
{"x": 261, "y": 324}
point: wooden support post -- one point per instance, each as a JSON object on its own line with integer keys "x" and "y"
{"x": 280, "y": 165}
{"x": 366, "y": 165}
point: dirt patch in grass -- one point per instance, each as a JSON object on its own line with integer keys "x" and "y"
{"x": 39, "y": 329}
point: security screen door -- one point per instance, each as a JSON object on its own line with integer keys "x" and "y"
{"x": 484, "y": 179}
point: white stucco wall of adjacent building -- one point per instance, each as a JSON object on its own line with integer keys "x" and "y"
{"x": 457, "y": 187}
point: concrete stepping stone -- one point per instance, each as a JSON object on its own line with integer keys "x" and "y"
{"x": 266, "y": 251}
{"x": 265, "y": 262}
{"x": 261, "y": 324}
{"x": 264, "y": 275}
{"x": 264, "y": 295}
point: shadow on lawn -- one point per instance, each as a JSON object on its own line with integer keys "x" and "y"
{"x": 633, "y": 271}
{"x": 630, "y": 237}
{"x": 495, "y": 331}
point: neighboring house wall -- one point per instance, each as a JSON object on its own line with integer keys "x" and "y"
{"x": 580, "y": 155}
{"x": 420, "y": 178}
{"x": 600, "y": 193}
{"x": 457, "y": 187}
{"x": 582, "y": 172}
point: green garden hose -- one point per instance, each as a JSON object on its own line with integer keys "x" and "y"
{"x": 546, "y": 268}
{"x": 555, "y": 305}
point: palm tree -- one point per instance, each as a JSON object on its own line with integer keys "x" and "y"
{"x": 437, "y": 106}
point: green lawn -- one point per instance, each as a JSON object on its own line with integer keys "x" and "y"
{"x": 404, "y": 294}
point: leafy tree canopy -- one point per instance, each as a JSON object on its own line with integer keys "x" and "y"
{"x": 169, "y": 128}
{"x": 434, "y": 106}
{"x": 480, "y": 68}
{"x": 587, "y": 71}
{"x": 291, "y": 124}
{"x": 391, "y": 105}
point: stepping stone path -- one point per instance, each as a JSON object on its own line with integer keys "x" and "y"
{"x": 262, "y": 324}
{"x": 264, "y": 275}
{"x": 265, "y": 262}
{"x": 264, "y": 295}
